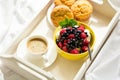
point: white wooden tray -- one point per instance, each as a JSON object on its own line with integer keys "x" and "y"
{"x": 102, "y": 22}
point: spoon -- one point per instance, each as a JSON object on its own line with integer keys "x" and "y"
{"x": 89, "y": 52}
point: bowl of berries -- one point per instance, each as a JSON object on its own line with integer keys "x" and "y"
{"x": 72, "y": 39}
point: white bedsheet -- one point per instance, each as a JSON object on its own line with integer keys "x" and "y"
{"x": 14, "y": 16}
{"x": 107, "y": 64}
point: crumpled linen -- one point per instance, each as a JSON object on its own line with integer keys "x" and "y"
{"x": 15, "y": 15}
{"x": 1, "y": 76}
{"x": 107, "y": 64}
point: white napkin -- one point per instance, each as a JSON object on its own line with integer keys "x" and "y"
{"x": 107, "y": 64}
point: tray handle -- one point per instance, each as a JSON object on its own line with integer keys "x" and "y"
{"x": 44, "y": 74}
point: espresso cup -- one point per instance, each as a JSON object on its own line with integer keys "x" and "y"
{"x": 36, "y": 47}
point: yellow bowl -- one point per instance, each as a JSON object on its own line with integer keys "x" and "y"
{"x": 75, "y": 56}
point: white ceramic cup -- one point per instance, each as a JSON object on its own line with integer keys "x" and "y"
{"x": 33, "y": 43}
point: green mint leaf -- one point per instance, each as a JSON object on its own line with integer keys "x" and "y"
{"x": 72, "y": 22}
{"x": 68, "y": 22}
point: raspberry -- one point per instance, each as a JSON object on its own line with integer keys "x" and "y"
{"x": 71, "y": 36}
{"x": 83, "y": 35}
{"x": 62, "y": 31}
{"x": 81, "y": 28}
{"x": 84, "y": 48}
{"x": 65, "y": 41}
{"x": 68, "y": 41}
{"x": 65, "y": 44}
{"x": 74, "y": 51}
{"x": 64, "y": 48}
{"x": 60, "y": 44}
{"x": 86, "y": 41}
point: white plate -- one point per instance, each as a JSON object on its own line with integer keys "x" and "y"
{"x": 49, "y": 16}
{"x": 89, "y": 21}
{"x": 50, "y": 55}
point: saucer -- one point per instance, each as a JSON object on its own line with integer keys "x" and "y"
{"x": 51, "y": 54}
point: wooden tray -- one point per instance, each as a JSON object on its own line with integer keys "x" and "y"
{"x": 102, "y": 22}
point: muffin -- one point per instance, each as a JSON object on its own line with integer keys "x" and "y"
{"x": 68, "y": 3}
{"x": 60, "y": 13}
{"x": 82, "y": 10}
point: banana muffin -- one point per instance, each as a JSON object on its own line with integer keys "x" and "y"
{"x": 68, "y": 3}
{"x": 82, "y": 10}
{"x": 60, "y": 13}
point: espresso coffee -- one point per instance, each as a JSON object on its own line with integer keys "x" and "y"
{"x": 37, "y": 45}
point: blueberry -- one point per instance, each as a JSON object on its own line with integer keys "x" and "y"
{"x": 62, "y": 35}
{"x": 63, "y": 38}
{"x": 79, "y": 31}
{"x": 79, "y": 37}
{"x": 57, "y": 41}
{"x": 76, "y": 35}
{"x": 65, "y": 34}
{"x": 68, "y": 46}
{"x": 85, "y": 32}
{"x": 68, "y": 30}
{"x": 71, "y": 31}
{"x": 72, "y": 47}
{"x": 73, "y": 40}
{"x": 76, "y": 45}
{"x": 80, "y": 51}
{"x": 75, "y": 32}
{"x": 80, "y": 44}
{"x": 69, "y": 49}
{"x": 69, "y": 43}
{"x": 76, "y": 41}
{"x": 87, "y": 35}
{"x": 81, "y": 40}
{"x": 75, "y": 28}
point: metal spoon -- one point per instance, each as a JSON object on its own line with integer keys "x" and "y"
{"x": 89, "y": 52}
